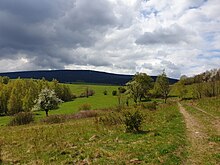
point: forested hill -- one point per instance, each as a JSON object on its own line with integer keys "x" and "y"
{"x": 74, "y": 76}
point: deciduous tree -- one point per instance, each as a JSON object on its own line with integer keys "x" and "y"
{"x": 47, "y": 100}
{"x": 162, "y": 85}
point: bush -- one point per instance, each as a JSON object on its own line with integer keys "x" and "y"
{"x": 91, "y": 92}
{"x": 121, "y": 89}
{"x": 85, "y": 114}
{"x": 85, "y": 107}
{"x": 22, "y": 118}
{"x": 105, "y": 92}
{"x": 53, "y": 119}
{"x": 133, "y": 120}
{"x": 87, "y": 93}
{"x": 114, "y": 93}
{"x": 150, "y": 106}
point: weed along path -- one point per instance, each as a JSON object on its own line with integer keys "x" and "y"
{"x": 214, "y": 121}
{"x": 197, "y": 148}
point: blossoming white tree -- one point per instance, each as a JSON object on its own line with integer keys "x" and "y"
{"x": 47, "y": 100}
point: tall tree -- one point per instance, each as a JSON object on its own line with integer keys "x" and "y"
{"x": 161, "y": 85}
{"x": 145, "y": 82}
{"x": 139, "y": 86}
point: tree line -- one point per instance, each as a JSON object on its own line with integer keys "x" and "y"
{"x": 206, "y": 84}
{"x": 143, "y": 87}
{"x": 20, "y": 95}
{"x": 208, "y": 76}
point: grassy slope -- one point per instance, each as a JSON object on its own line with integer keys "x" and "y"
{"x": 210, "y": 105}
{"x": 163, "y": 142}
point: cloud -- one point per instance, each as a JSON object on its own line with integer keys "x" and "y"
{"x": 45, "y": 31}
{"x": 120, "y": 36}
{"x": 170, "y": 35}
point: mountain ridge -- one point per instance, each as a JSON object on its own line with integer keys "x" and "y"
{"x": 76, "y": 76}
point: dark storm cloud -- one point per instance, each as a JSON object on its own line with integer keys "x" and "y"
{"x": 47, "y": 31}
{"x": 171, "y": 35}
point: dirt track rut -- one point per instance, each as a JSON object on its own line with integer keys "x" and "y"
{"x": 196, "y": 137}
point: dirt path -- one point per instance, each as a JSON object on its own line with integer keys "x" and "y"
{"x": 196, "y": 136}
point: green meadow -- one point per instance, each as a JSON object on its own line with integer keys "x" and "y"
{"x": 85, "y": 141}
{"x": 97, "y": 101}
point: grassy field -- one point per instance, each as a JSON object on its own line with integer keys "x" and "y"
{"x": 84, "y": 141}
{"x": 98, "y": 101}
{"x": 210, "y": 105}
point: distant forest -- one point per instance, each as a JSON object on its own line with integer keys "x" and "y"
{"x": 77, "y": 76}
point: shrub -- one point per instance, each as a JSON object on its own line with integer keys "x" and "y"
{"x": 150, "y": 106}
{"x": 54, "y": 119}
{"x": 121, "y": 89}
{"x": 87, "y": 93}
{"x": 133, "y": 120}
{"x": 85, "y": 106}
{"x": 22, "y": 118}
{"x": 85, "y": 114}
{"x": 114, "y": 93}
{"x": 105, "y": 92}
{"x": 91, "y": 92}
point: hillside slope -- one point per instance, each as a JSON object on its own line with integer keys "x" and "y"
{"x": 73, "y": 76}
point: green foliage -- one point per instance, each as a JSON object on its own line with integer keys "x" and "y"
{"x": 47, "y": 100}
{"x": 15, "y": 102}
{"x": 139, "y": 86}
{"x": 105, "y": 92}
{"x": 208, "y": 76}
{"x": 133, "y": 120}
{"x": 161, "y": 86}
{"x": 180, "y": 90}
{"x": 62, "y": 91}
{"x": 121, "y": 90}
{"x": 22, "y": 118}
{"x": 206, "y": 89}
{"x": 88, "y": 92}
{"x": 206, "y": 84}
{"x": 70, "y": 107}
{"x": 85, "y": 107}
{"x": 114, "y": 93}
{"x": 4, "y": 79}
{"x": 19, "y": 95}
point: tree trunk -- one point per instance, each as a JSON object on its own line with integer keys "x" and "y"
{"x": 46, "y": 112}
{"x": 165, "y": 99}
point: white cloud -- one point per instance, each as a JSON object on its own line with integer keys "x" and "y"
{"x": 121, "y": 36}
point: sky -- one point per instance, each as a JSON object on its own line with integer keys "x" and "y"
{"x": 117, "y": 36}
